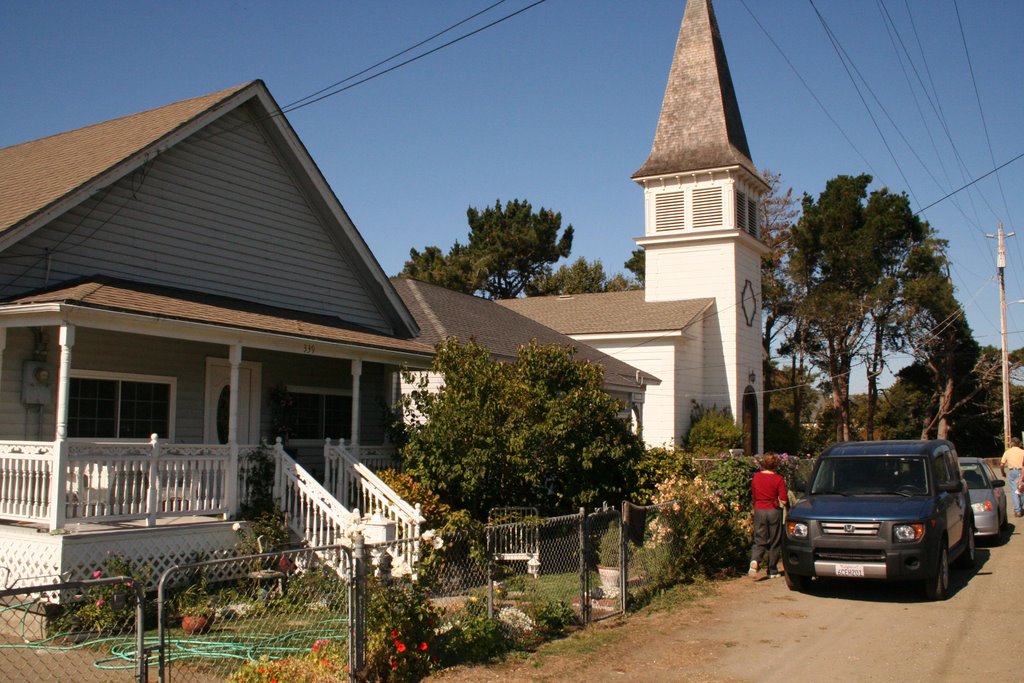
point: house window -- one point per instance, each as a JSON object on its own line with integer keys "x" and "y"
{"x": 117, "y": 408}
{"x": 321, "y": 415}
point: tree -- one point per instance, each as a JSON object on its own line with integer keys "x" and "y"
{"x": 851, "y": 267}
{"x": 580, "y": 277}
{"x": 539, "y": 431}
{"x": 507, "y": 248}
{"x": 778, "y": 211}
{"x": 637, "y": 264}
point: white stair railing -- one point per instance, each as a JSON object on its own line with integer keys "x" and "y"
{"x": 356, "y": 486}
{"x": 313, "y": 513}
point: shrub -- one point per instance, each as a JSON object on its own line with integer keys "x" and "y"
{"x": 701, "y": 530}
{"x": 325, "y": 662}
{"x": 712, "y": 431}
{"x": 108, "y": 608}
{"x": 401, "y": 640}
{"x": 730, "y": 477}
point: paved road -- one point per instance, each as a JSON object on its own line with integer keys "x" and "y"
{"x": 861, "y": 631}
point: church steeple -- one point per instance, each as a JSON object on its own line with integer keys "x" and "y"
{"x": 700, "y": 125}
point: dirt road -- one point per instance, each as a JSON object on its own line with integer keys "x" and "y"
{"x": 760, "y": 631}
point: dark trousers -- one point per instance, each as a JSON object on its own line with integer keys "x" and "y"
{"x": 767, "y": 536}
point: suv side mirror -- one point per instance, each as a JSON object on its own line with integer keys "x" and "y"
{"x": 951, "y": 487}
{"x": 799, "y": 485}
{"x": 996, "y": 483}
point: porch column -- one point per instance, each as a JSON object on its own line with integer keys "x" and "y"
{"x": 357, "y": 371}
{"x": 231, "y": 487}
{"x": 60, "y": 445}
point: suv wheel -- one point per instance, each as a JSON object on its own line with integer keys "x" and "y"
{"x": 935, "y": 588}
{"x": 795, "y": 582}
{"x": 967, "y": 557}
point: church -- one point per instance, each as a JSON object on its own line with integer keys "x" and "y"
{"x": 696, "y": 324}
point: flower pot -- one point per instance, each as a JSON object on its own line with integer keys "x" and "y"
{"x": 609, "y": 580}
{"x": 192, "y": 624}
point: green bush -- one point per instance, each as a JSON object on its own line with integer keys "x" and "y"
{"x": 712, "y": 431}
{"x": 401, "y": 640}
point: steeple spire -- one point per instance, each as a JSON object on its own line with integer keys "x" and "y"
{"x": 700, "y": 125}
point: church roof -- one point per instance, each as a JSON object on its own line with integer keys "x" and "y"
{"x": 700, "y": 125}
{"x": 609, "y": 312}
{"x": 442, "y": 313}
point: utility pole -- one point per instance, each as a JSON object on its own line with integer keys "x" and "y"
{"x": 1001, "y": 266}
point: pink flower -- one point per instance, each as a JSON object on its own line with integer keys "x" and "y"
{"x": 99, "y": 603}
{"x": 97, "y": 574}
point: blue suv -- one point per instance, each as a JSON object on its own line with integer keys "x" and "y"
{"x": 889, "y": 510}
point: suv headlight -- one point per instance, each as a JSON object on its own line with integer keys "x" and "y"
{"x": 985, "y": 506}
{"x": 797, "y": 529}
{"x": 908, "y": 533}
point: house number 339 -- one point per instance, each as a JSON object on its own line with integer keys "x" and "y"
{"x": 309, "y": 348}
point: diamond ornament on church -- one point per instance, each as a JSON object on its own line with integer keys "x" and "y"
{"x": 748, "y": 303}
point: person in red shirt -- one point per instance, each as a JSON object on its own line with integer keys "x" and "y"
{"x": 768, "y": 490}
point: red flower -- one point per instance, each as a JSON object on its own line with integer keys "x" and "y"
{"x": 394, "y": 635}
{"x": 400, "y": 646}
{"x": 423, "y": 647}
{"x": 319, "y": 644}
{"x": 394, "y": 664}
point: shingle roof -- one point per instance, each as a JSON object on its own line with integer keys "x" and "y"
{"x": 700, "y": 125}
{"x": 442, "y": 313}
{"x": 36, "y": 174}
{"x": 112, "y": 294}
{"x": 611, "y": 312}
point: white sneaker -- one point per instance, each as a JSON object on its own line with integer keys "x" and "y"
{"x": 752, "y": 572}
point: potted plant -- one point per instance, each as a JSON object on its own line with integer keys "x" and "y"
{"x": 195, "y": 607}
{"x": 608, "y": 558}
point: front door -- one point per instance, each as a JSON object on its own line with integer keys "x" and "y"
{"x": 218, "y": 395}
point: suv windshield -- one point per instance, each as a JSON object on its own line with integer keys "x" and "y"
{"x": 879, "y": 475}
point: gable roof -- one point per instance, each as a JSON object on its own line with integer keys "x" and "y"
{"x": 42, "y": 179}
{"x": 442, "y": 313}
{"x": 168, "y": 303}
{"x": 609, "y": 312}
{"x": 35, "y": 175}
{"x": 700, "y": 125}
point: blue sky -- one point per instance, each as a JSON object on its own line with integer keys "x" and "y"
{"x": 558, "y": 104}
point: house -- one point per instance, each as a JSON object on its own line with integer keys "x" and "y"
{"x": 442, "y": 314}
{"x": 177, "y": 286}
{"x": 696, "y": 325}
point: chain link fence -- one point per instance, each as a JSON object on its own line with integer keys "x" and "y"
{"x": 296, "y": 614}
{"x": 85, "y": 631}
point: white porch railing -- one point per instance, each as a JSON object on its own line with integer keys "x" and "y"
{"x": 25, "y": 471}
{"x": 120, "y": 481}
{"x": 355, "y": 485}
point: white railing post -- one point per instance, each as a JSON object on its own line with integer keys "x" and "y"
{"x": 58, "y": 477}
{"x": 153, "y": 494}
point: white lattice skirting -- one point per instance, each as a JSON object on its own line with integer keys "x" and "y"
{"x": 28, "y": 556}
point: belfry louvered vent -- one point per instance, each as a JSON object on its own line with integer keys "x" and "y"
{"x": 669, "y": 211}
{"x": 752, "y": 226}
{"x": 741, "y": 211}
{"x": 707, "y": 207}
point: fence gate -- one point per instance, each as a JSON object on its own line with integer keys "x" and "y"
{"x": 82, "y": 631}
{"x": 284, "y": 615}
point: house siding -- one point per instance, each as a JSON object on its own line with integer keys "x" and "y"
{"x": 217, "y": 213}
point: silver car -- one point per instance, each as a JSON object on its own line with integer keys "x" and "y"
{"x": 988, "y": 496}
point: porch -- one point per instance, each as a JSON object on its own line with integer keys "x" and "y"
{"x": 65, "y": 507}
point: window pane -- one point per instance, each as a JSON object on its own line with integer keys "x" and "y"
{"x": 308, "y": 416}
{"x": 92, "y": 407}
{"x": 145, "y": 410}
{"x": 338, "y": 417}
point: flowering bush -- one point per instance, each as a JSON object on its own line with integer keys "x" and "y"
{"x": 730, "y": 477}
{"x": 401, "y": 640}
{"x": 325, "y": 662}
{"x": 108, "y": 608}
{"x": 703, "y": 529}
